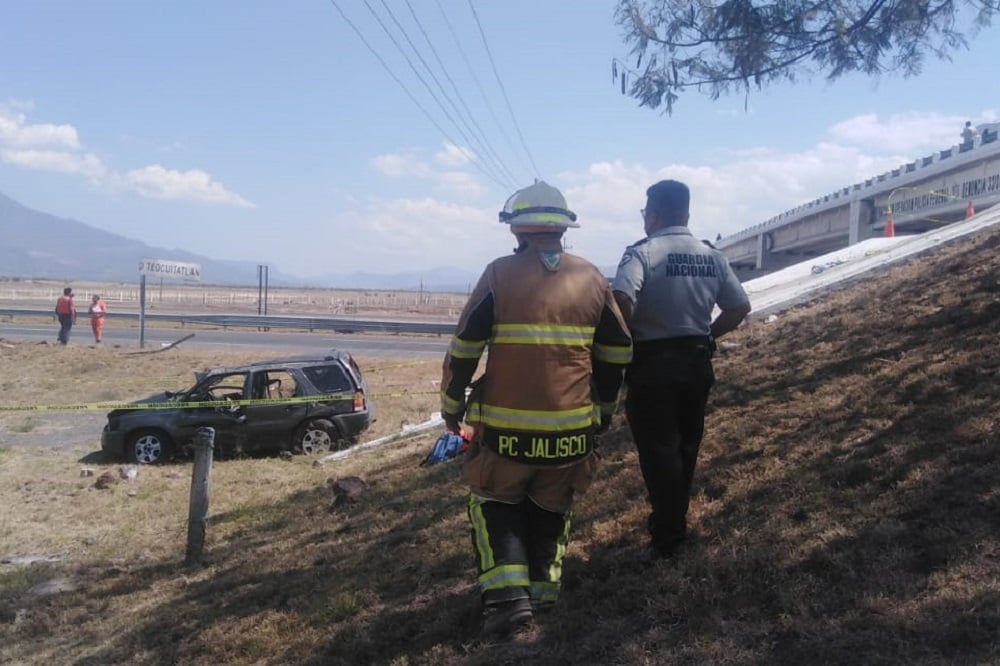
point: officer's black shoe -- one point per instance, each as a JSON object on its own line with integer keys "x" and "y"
{"x": 502, "y": 618}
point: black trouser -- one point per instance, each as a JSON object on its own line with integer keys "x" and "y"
{"x": 65, "y": 324}
{"x": 668, "y": 388}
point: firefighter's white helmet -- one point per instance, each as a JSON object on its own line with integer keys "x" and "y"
{"x": 539, "y": 206}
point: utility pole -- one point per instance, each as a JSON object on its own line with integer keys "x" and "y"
{"x": 262, "y": 284}
{"x": 260, "y": 288}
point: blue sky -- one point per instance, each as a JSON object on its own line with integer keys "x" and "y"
{"x": 268, "y": 132}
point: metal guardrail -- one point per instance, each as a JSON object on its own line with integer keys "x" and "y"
{"x": 268, "y": 321}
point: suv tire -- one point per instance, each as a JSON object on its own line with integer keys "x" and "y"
{"x": 316, "y": 437}
{"x": 148, "y": 446}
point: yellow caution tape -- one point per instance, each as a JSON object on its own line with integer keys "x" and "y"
{"x": 380, "y": 368}
{"x": 205, "y": 404}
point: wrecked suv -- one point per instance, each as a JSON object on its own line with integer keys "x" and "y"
{"x": 308, "y": 404}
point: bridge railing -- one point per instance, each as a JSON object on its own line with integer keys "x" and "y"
{"x": 965, "y": 149}
{"x": 339, "y": 325}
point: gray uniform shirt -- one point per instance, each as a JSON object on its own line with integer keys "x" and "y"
{"x": 675, "y": 282}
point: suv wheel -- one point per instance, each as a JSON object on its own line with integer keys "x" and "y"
{"x": 316, "y": 437}
{"x": 147, "y": 447}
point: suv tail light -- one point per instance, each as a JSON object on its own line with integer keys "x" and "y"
{"x": 359, "y": 401}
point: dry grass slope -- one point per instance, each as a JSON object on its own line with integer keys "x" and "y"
{"x": 847, "y": 511}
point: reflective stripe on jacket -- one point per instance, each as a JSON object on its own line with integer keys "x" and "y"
{"x": 557, "y": 345}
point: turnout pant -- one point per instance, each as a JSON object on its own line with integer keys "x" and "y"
{"x": 665, "y": 407}
{"x": 520, "y": 517}
{"x": 519, "y": 550}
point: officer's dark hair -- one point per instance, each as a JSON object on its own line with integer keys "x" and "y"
{"x": 670, "y": 198}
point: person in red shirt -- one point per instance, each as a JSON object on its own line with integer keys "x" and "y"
{"x": 98, "y": 310}
{"x": 66, "y": 313}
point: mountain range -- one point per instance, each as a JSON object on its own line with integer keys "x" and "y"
{"x": 39, "y": 245}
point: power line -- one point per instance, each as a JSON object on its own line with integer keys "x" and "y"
{"x": 458, "y": 93}
{"x": 502, "y": 88}
{"x": 479, "y": 165}
{"x": 483, "y": 146}
{"x": 482, "y": 91}
{"x": 406, "y": 90}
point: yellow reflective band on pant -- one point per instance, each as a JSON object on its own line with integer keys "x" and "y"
{"x": 480, "y": 534}
{"x": 449, "y": 405}
{"x": 539, "y": 421}
{"x": 505, "y": 575}
{"x": 544, "y": 593}
{"x": 617, "y": 354}
{"x": 540, "y": 334}
{"x": 460, "y": 348}
{"x": 555, "y": 569}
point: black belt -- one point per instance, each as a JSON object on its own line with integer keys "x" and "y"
{"x": 692, "y": 343}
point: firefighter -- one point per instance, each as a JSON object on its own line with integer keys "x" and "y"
{"x": 558, "y": 347}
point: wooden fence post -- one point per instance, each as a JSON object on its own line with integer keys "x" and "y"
{"x": 201, "y": 490}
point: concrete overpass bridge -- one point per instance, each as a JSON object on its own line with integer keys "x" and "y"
{"x": 924, "y": 194}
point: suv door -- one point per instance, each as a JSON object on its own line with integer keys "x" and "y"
{"x": 270, "y": 424}
{"x": 228, "y": 421}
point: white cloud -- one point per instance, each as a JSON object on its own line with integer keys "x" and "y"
{"x": 451, "y": 183}
{"x": 400, "y": 164}
{"x": 460, "y": 184}
{"x": 16, "y": 132}
{"x": 455, "y": 156}
{"x": 417, "y": 233}
{"x": 157, "y": 182}
{"x": 83, "y": 164}
{"x": 56, "y": 148}
{"x": 902, "y": 132}
{"x": 730, "y": 192}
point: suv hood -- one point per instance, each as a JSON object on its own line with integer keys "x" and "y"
{"x": 163, "y": 396}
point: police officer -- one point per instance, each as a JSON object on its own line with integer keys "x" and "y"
{"x": 667, "y": 286}
{"x": 558, "y": 347}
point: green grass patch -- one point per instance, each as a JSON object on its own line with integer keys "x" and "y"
{"x": 23, "y": 426}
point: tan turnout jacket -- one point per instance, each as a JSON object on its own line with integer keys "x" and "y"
{"x": 557, "y": 348}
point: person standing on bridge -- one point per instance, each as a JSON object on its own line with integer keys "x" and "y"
{"x": 558, "y": 348}
{"x": 968, "y": 133}
{"x": 66, "y": 314}
{"x": 98, "y": 311}
{"x": 667, "y": 286}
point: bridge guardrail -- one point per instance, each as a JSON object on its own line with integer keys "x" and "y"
{"x": 269, "y": 321}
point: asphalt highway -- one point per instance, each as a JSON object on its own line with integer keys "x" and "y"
{"x": 274, "y": 343}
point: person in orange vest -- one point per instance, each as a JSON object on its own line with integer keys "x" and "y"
{"x": 98, "y": 310}
{"x": 66, "y": 313}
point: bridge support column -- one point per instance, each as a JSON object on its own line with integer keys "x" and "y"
{"x": 765, "y": 259}
{"x": 862, "y": 223}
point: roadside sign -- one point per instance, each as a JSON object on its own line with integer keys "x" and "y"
{"x": 161, "y": 268}
{"x": 165, "y": 268}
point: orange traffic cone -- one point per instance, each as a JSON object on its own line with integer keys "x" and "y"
{"x": 890, "y": 226}
{"x": 970, "y": 210}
